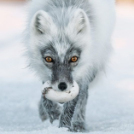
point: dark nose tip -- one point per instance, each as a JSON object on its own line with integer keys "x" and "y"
{"x": 62, "y": 86}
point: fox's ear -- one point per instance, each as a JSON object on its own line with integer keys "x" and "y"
{"x": 79, "y": 22}
{"x": 42, "y": 23}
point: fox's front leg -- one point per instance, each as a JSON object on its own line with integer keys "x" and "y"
{"x": 73, "y": 116}
{"x": 49, "y": 109}
{"x": 78, "y": 119}
{"x": 67, "y": 113}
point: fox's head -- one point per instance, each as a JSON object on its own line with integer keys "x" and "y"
{"x": 60, "y": 47}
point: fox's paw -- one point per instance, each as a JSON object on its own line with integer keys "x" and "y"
{"x": 78, "y": 127}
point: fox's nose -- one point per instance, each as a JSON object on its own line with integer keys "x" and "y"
{"x": 62, "y": 86}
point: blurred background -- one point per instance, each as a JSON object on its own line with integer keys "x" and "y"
{"x": 111, "y": 103}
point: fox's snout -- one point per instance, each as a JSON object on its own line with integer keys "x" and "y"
{"x": 62, "y": 86}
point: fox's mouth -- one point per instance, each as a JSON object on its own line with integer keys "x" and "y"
{"x": 60, "y": 96}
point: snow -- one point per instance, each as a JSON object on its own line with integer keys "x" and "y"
{"x": 110, "y": 106}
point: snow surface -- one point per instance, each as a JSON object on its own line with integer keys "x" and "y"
{"x": 110, "y": 108}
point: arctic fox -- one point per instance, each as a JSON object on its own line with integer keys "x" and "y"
{"x": 69, "y": 40}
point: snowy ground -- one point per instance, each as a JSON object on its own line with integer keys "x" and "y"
{"x": 110, "y": 107}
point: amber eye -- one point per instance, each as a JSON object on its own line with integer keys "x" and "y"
{"x": 49, "y": 59}
{"x": 74, "y": 59}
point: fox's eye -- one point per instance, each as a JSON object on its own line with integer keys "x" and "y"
{"x": 74, "y": 59}
{"x": 48, "y": 59}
